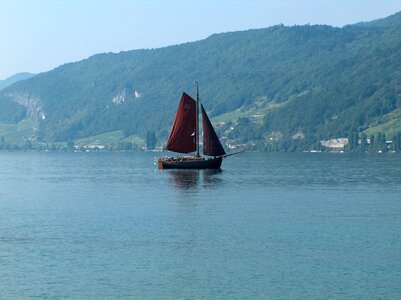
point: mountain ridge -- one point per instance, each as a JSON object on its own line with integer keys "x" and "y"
{"x": 390, "y": 21}
{"x": 319, "y": 80}
{"x": 15, "y": 78}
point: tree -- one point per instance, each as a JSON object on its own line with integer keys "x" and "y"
{"x": 353, "y": 137}
{"x": 372, "y": 143}
{"x": 378, "y": 143}
{"x": 70, "y": 145}
{"x": 364, "y": 142}
{"x": 397, "y": 142}
{"x": 28, "y": 145}
{"x": 150, "y": 140}
{"x": 383, "y": 143}
{"x": 393, "y": 141}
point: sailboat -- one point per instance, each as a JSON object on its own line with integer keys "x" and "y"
{"x": 184, "y": 138}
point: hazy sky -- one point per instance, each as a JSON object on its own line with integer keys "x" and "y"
{"x": 39, "y": 35}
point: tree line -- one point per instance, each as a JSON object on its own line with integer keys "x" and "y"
{"x": 374, "y": 143}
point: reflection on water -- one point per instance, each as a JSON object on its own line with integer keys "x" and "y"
{"x": 184, "y": 179}
{"x": 212, "y": 178}
{"x": 190, "y": 179}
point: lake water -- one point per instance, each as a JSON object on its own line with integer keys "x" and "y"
{"x": 279, "y": 226}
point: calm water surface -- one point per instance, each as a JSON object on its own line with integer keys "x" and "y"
{"x": 279, "y": 226}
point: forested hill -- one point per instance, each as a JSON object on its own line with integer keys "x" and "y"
{"x": 15, "y": 78}
{"x": 391, "y": 21}
{"x": 314, "y": 81}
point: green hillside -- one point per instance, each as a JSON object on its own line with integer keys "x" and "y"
{"x": 317, "y": 82}
{"x": 19, "y": 133}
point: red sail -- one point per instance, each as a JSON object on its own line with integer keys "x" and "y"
{"x": 211, "y": 142}
{"x": 182, "y": 135}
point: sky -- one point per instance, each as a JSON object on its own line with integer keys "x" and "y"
{"x": 39, "y": 35}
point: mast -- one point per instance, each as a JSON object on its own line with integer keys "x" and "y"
{"x": 197, "y": 120}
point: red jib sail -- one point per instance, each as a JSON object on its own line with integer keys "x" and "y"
{"x": 211, "y": 142}
{"x": 182, "y": 135}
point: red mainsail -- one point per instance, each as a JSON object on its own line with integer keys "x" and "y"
{"x": 211, "y": 142}
{"x": 182, "y": 135}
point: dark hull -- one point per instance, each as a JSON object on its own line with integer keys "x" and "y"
{"x": 211, "y": 163}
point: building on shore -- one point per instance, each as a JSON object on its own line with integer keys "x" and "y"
{"x": 335, "y": 144}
